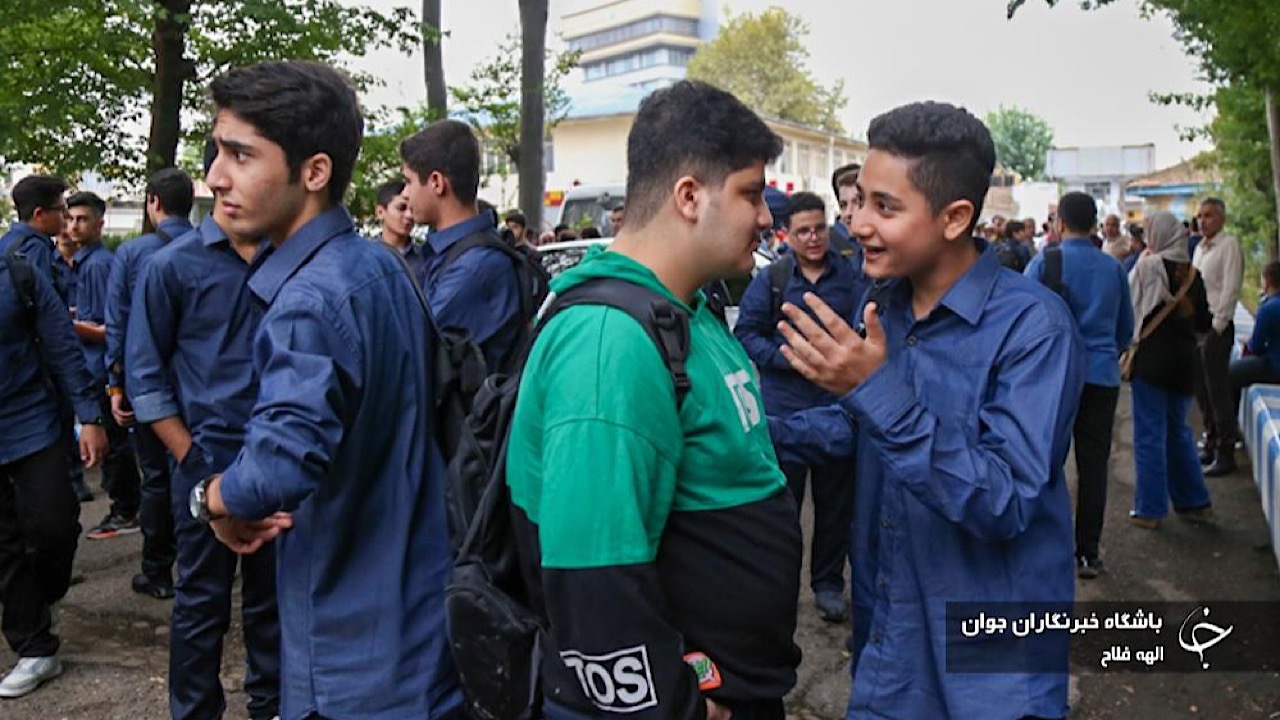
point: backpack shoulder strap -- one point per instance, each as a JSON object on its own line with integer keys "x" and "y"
{"x": 24, "y": 282}
{"x": 1052, "y": 266}
{"x": 779, "y": 274}
{"x": 666, "y": 324}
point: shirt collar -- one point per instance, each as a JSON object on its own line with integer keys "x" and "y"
{"x": 211, "y": 232}
{"x": 833, "y": 257}
{"x": 1076, "y": 241}
{"x": 296, "y": 250}
{"x": 441, "y": 240}
{"x": 26, "y": 230}
{"x": 83, "y": 253}
{"x": 175, "y": 226}
{"x": 968, "y": 297}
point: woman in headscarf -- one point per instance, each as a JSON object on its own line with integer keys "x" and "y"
{"x": 1168, "y": 467}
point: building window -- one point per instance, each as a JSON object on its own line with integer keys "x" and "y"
{"x": 638, "y": 60}
{"x": 647, "y": 26}
{"x": 495, "y": 162}
{"x": 1099, "y": 191}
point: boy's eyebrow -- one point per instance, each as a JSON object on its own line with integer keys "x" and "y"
{"x": 884, "y": 196}
{"x": 232, "y": 145}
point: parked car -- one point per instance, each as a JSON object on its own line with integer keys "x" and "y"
{"x": 585, "y": 205}
{"x": 560, "y": 256}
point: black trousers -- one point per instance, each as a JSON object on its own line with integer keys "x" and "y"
{"x": 39, "y": 529}
{"x": 1251, "y": 370}
{"x": 120, "y": 468}
{"x": 1213, "y": 392}
{"x": 832, "y": 519}
{"x": 155, "y": 512}
{"x": 202, "y": 616}
{"x": 1092, "y": 433}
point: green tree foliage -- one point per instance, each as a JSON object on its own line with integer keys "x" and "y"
{"x": 1234, "y": 42}
{"x": 1022, "y": 140}
{"x": 763, "y": 60}
{"x": 490, "y": 100}
{"x": 76, "y": 78}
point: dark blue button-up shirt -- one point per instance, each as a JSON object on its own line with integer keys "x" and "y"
{"x": 39, "y": 251}
{"x": 341, "y": 436}
{"x": 189, "y": 349}
{"x": 28, "y": 403}
{"x": 129, "y": 260}
{"x": 416, "y": 256}
{"x": 479, "y": 292}
{"x": 961, "y": 438}
{"x": 1098, "y": 295}
{"x": 1265, "y": 340}
{"x": 64, "y": 275}
{"x": 93, "y": 266}
{"x": 784, "y": 390}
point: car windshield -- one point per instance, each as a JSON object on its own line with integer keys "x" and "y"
{"x": 588, "y": 212}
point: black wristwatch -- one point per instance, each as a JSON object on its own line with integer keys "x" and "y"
{"x": 99, "y": 421}
{"x": 198, "y": 502}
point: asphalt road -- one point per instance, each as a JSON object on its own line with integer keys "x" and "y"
{"x": 116, "y": 642}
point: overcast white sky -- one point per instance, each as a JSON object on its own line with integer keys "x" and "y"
{"x": 1087, "y": 73}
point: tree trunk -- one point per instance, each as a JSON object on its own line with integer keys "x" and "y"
{"x": 533, "y": 31}
{"x": 168, "y": 43}
{"x": 1273, "y": 129}
{"x": 432, "y": 62}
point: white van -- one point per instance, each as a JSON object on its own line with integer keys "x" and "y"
{"x": 584, "y": 205}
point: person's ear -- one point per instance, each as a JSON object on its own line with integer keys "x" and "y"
{"x": 317, "y": 171}
{"x": 688, "y": 195}
{"x": 957, "y": 218}
{"x": 438, "y": 184}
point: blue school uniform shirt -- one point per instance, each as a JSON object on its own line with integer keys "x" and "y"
{"x": 1265, "y": 340}
{"x": 784, "y": 390}
{"x": 960, "y": 438}
{"x": 130, "y": 258}
{"x": 1098, "y": 296}
{"x": 190, "y": 346}
{"x": 479, "y": 292}
{"x": 29, "y": 404}
{"x": 92, "y": 268}
{"x": 342, "y": 437}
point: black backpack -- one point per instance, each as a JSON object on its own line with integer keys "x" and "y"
{"x": 460, "y": 368}
{"x": 780, "y": 271}
{"x": 493, "y": 607}
{"x": 1051, "y": 277}
{"x": 1007, "y": 253}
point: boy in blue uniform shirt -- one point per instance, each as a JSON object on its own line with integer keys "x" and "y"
{"x": 191, "y": 377}
{"x": 1097, "y": 292}
{"x": 963, "y": 395}
{"x": 340, "y": 464}
{"x": 811, "y": 265}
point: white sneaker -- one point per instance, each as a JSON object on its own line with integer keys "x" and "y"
{"x": 29, "y": 674}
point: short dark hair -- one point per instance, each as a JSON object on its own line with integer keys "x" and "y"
{"x": 1013, "y": 227}
{"x": 304, "y": 107}
{"x": 1271, "y": 271}
{"x": 1078, "y": 211}
{"x": 450, "y": 148}
{"x": 560, "y": 227}
{"x": 389, "y": 191}
{"x": 590, "y": 232}
{"x": 84, "y": 198}
{"x": 953, "y": 151}
{"x": 844, "y": 176}
{"x": 517, "y": 217}
{"x": 37, "y": 191}
{"x": 664, "y": 145}
{"x": 174, "y": 189}
{"x": 803, "y": 202}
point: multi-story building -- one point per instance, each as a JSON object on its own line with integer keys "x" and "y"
{"x": 640, "y": 43}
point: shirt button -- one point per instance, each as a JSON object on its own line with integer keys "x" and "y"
{"x": 886, "y": 523}
{"x": 912, "y": 340}
{"x": 884, "y": 582}
{"x": 875, "y": 639}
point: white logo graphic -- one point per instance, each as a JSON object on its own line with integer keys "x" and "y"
{"x": 620, "y": 682}
{"x": 748, "y": 408}
{"x": 1216, "y": 635}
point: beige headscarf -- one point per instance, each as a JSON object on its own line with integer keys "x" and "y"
{"x": 1148, "y": 281}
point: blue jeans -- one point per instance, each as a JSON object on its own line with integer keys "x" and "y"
{"x": 1165, "y": 454}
